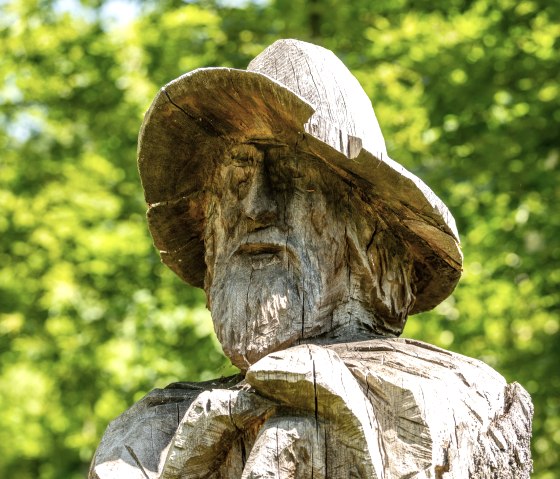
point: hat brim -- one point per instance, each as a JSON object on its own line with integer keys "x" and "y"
{"x": 193, "y": 121}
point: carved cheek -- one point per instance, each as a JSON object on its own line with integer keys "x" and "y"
{"x": 222, "y": 218}
{"x": 318, "y": 215}
{"x": 225, "y": 214}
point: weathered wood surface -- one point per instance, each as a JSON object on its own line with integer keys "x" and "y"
{"x": 272, "y": 189}
{"x": 374, "y": 409}
{"x": 446, "y": 413}
{"x": 290, "y": 257}
{"x": 133, "y": 444}
{"x": 302, "y": 98}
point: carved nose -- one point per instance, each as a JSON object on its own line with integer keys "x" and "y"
{"x": 259, "y": 204}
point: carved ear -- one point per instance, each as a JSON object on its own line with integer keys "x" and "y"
{"x": 392, "y": 273}
{"x": 176, "y": 228}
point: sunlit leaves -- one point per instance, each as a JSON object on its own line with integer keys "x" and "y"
{"x": 467, "y": 96}
{"x": 79, "y": 341}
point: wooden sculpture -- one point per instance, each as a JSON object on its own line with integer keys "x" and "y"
{"x": 272, "y": 189}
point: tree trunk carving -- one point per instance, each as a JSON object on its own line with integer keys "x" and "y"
{"x": 272, "y": 189}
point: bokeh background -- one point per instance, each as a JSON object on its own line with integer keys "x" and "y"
{"x": 467, "y": 95}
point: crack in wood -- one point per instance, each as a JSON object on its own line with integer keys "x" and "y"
{"x": 441, "y": 469}
{"x": 203, "y": 123}
{"x": 136, "y": 460}
{"x": 380, "y": 409}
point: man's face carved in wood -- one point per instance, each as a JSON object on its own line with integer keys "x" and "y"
{"x": 279, "y": 239}
{"x": 275, "y": 252}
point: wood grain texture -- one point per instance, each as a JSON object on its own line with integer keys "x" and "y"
{"x": 272, "y": 188}
{"x": 290, "y": 257}
{"x": 302, "y": 97}
{"x": 136, "y": 443}
{"x": 212, "y": 422}
{"x": 313, "y": 379}
{"x": 288, "y": 447}
{"x": 391, "y": 409}
{"x": 447, "y": 406}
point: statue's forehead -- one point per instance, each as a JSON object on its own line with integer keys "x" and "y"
{"x": 279, "y": 153}
{"x": 259, "y": 148}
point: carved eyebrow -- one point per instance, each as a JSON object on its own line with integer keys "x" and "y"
{"x": 266, "y": 143}
{"x": 246, "y": 151}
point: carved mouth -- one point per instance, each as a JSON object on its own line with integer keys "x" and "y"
{"x": 265, "y": 254}
{"x": 261, "y": 249}
{"x": 262, "y": 255}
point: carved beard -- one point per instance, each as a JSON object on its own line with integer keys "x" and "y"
{"x": 258, "y": 304}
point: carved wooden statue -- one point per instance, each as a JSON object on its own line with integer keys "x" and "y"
{"x": 271, "y": 188}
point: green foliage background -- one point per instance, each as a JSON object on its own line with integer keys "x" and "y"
{"x": 467, "y": 95}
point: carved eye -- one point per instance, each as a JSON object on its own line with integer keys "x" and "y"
{"x": 239, "y": 179}
{"x": 242, "y": 155}
{"x": 239, "y": 169}
{"x": 298, "y": 181}
{"x": 284, "y": 174}
{"x": 243, "y": 162}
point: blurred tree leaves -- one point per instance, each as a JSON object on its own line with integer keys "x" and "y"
{"x": 89, "y": 318}
{"x": 467, "y": 96}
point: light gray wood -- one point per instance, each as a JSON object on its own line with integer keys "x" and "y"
{"x": 302, "y": 97}
{"x": 313, "y": 379}
{"x": 423, "y": 411}
{"x": 288, "y": 447}
{"x": 373, "y": 409}
{"x": 449, "y": 412}
{"x": 272, "y": 189}
{"x": 135, "y": 443}
{"x": 205, "y": 433}
{"x": 290, "y": 258}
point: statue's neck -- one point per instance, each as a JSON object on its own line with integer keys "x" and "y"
{"x": 352, "y": 321}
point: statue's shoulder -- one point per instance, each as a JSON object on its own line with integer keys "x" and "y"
{"x": 413, "y": 357}
{"x": 462, "y": 411}
{"x": 135, "y": 443}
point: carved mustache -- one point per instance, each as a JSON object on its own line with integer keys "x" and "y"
{"x": 267, "y": 242}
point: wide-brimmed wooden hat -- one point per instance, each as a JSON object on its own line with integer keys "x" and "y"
{"x": 297, "y": 94}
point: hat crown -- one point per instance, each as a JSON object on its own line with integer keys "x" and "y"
{"x": 342, "y": 107}
{"x": 294, "y": 94}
